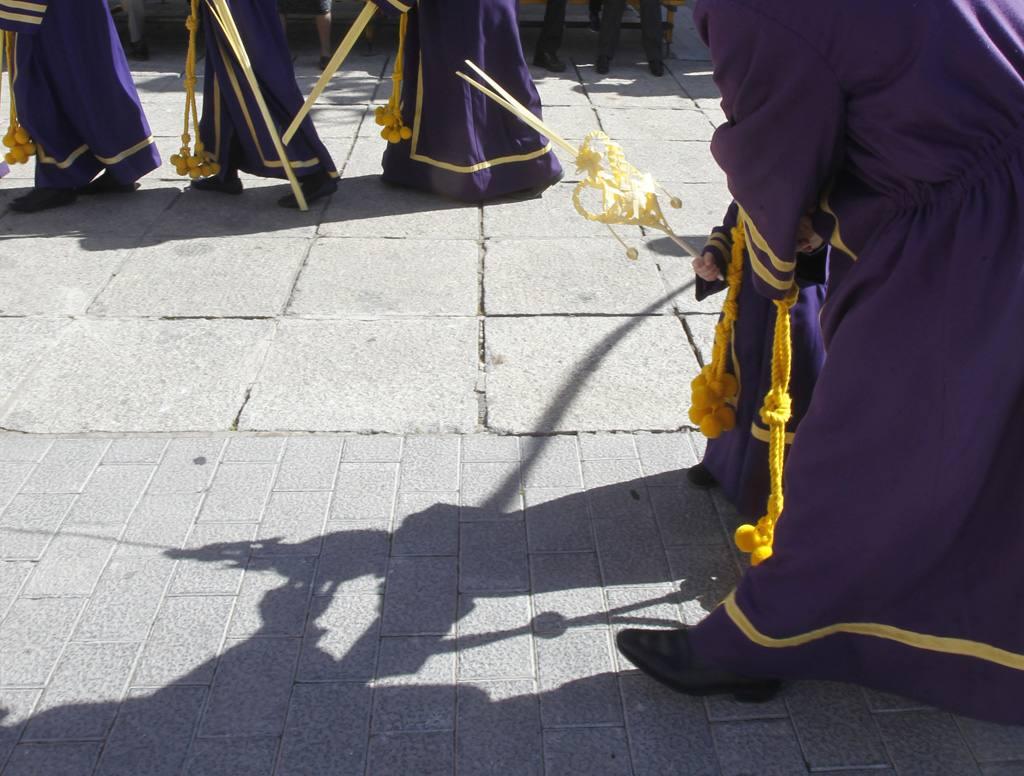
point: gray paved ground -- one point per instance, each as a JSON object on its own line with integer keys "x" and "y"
{"x": 178, "y": 597}
{"x": 371, "y": 604}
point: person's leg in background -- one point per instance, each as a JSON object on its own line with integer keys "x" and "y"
{"x": 652, "y": 32}
{"x": 595, "y": 15}
{"x": 137, "y": 48}
{"x": 550, "y": 39}
{"x": 608, "y": 38}
{"x": 323, "y": 31}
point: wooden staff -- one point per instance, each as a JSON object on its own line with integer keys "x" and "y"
{"x": 351, "y": 37}
{"x": 222, "y": 13}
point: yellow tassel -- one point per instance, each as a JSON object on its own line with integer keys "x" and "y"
{"x": 16, "y": 140}
{"x": 389, "y": 117}
{"x": 192, "y": 162}
{"x": 776, "y": 414}
{"x": 714, "y": 389}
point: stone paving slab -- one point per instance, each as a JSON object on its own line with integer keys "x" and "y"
{"x": 109, "y": 375}
{"x": 570, "y": 277}
{"x": 542, "y": 376}
{"x": 205, "y": 278}
{"x": 372, "y": 277}
{"x": 332, "y": 375}
{"x": 279, "y": 646}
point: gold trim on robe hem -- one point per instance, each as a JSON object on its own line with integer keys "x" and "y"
{"x": 763, "y": 435}
{"x": 458, "y": 168}
{"x": 82, "y": 149}
{"x": 944, "y": 644}
{"x": 23, "y": 5}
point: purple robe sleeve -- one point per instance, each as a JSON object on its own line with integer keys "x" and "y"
{"x": 720, "y": 246}
{"x": 394, "y": 7}
{"x": 782, "y": 141}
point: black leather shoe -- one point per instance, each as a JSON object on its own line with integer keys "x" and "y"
{"x": 218, "y": 185}
{"x": 666, "y": 656}
{"x": 603, "y": 65}
{"x": 42, "y": 199}
{"x": 549, "y": 62}
{"x": 138, "y": 51}
{"x": 314, "y": 187}
{"x": 106, "y": 183}
{"x": 657, "y": 67}
{"x": 700, "y": 477}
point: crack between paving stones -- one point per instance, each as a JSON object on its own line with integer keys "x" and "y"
{"x": 692, "y": 340}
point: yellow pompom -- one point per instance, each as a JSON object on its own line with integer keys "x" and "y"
{"x": 9, "y": 158}
{"x": 394, "y": 136}
{"x": 726, "y": 417}
{"x": 746, "y": 538}
{"x": 760, "y": 555}
{"x": 21, "y": 135}
{"x": 730, "y": 386}
{"x": 380, "y": 118}
{"x": 676, "y": 202}
{"x": 214, "y": 168}
{"x": 697, "y": 414}
{"x": 195, "y": 173}
{"x": 716, "y": 388}
{"x": 176, "y": 160}
{"x": 9, "y": 140}
{"x": 385, "y": 132}
{"x": 406, "y": 133}
{"x": 699, "y": 380}
{"x": 710, "y": 427}
{"x": 193, "y": 163}
{"x": 20, "y": 155}
{"x": 30, "y": 149}
{"x": 632, "y": 254}
{"x": 701, "y": 397}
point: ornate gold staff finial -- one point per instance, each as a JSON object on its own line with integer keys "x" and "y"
{"x": 627, "y": 196}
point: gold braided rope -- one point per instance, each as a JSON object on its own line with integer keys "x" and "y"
{"x": 198, "y": 162}
{"x": 714, "y": 391}
{"x": 776, "y": 413}
{"x": 20, "y": 147}
{"x": 389, "y": 117}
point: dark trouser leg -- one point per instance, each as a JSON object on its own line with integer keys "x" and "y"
{"x": 554, "y": 25}
{"x": 611, "y": 24}
{"x": 650, "y": 29}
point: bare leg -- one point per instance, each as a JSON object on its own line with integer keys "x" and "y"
{"x": 323, "y": 30}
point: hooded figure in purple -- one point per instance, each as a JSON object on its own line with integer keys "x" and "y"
{"x": 77, "y": 101}
{"x": 737, "y": 461}
{"x": 463, "y": 145}
{"x": 232, "y": 127}
{"x": 897, "y": 558}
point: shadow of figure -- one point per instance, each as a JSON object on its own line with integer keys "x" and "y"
{"x": 342, "y": 651}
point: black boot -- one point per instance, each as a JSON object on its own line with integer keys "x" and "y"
{"x": 138, "y": 51}
{"x": 229, "y": 185}
{"x": 42, "y": 199}
{"x": 666, "y": 656}
{"x": 106, "y": 183}
{"x": 549, "y": 61}
{"x": 657, "y": 67}
{"x": 314, "y": 187}
{"x": 603, "y": 64}
{"x": 700, "y": 477}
